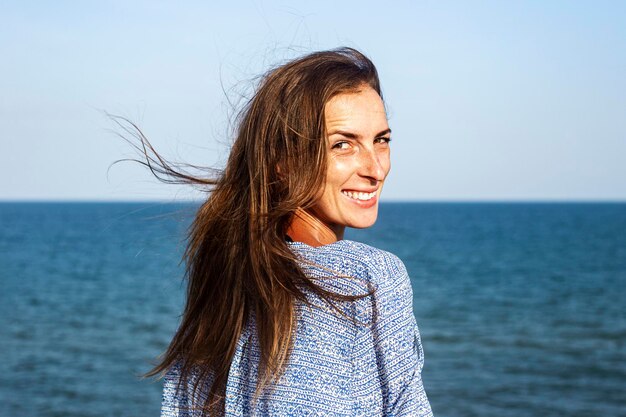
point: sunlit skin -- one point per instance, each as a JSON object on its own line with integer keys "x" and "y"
{"x": 358, "y": 161}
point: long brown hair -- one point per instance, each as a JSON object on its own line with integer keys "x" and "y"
{"x": 238, "y": 264}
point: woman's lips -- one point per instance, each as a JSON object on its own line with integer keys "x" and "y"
{"x": 361, "y": 199}
{"x": 359, "y": 195}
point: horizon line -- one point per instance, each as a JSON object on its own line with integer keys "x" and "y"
{"x": 385, "y": 201}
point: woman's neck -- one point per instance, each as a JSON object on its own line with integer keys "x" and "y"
{"x": 306, "y": 228}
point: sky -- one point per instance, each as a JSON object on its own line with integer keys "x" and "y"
{"x": 488, "y": 100}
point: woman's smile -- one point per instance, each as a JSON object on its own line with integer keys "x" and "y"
{"x": 359, "y": 195}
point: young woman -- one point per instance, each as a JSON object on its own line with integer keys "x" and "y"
{"x": 283, "y": 317}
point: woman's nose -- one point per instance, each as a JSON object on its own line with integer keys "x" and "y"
{"x": 374, "y": 165}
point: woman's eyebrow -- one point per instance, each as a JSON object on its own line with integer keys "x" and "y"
{"x": 352, "y": 135}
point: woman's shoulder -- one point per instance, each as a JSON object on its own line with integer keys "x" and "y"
{"x": 351, "y": 258}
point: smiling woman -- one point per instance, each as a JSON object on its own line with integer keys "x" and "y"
{"x": 358, "y": 161}
{"x": 283, "y": 317}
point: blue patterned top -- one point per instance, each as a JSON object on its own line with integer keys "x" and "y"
{"x": 366, "y": 364}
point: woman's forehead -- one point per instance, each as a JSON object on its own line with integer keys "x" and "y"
{"x": 359, "y": 111}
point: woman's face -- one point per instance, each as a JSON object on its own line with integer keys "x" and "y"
{"x": 358, "y": 160}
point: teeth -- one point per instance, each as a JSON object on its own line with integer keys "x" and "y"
{"x": 359, "y": 196}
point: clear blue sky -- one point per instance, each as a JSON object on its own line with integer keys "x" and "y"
{"x": 489, "y": 100}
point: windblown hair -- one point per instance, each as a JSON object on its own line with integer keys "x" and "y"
{"x": 238, "y": 264}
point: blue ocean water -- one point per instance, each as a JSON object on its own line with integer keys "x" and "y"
{"x": 522, "y": 307}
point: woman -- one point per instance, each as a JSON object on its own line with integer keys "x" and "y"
{"x": 283, "y": 317}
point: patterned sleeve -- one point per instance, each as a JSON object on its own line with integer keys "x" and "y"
{"x": 397, "y": 343}
{"x": 176, "y": 402}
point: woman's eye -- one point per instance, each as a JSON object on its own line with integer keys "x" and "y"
{"x": 341, "y": 145}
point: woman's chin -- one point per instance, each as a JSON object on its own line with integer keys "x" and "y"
{"x": 363, "y": 222}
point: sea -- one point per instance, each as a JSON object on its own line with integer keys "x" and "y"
{"x": 521, "y": 306}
